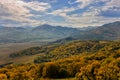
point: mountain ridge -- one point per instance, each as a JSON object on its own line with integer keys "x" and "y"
{"x": 110, "y": 31}
{"x": 40, "y": 33}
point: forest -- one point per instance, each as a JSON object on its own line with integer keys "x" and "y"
{"x": 77, "y": 60}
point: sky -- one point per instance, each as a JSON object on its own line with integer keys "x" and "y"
{"x": 69, "y": 13}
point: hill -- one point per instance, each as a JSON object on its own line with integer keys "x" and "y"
{"x": 81, "y": 60}
{"x": 53, "y": 32}
{"x": 40, "y": 33}
{"x": 49, "y": 33}
{"x": 60, "y": 51}
{"x": 109, "y": 31}
{"x": 11, "y": 34}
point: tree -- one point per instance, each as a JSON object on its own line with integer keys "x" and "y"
{"x": 50, "y": 70}
{"x": 3, "y": 77}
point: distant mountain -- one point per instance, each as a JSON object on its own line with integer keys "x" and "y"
{"x": 11, "y": 34}
{"x": 40, "y": 33}
{"x": 1, "y": 26}
{"x": 87, "y": 28}
{"x": 109, "y": 31}
{"x": 49, "y": 33}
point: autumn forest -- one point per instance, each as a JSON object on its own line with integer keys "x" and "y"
{"x": 77, "y": 60}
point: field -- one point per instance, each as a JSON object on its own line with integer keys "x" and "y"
{"x": 6, "y": 49}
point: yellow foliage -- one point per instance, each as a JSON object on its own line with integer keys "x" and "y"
{"x": 3, "y": 77}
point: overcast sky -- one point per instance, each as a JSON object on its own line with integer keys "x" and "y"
{"x": 70, "y": 13}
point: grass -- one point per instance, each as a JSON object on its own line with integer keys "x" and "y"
{"x": 7, "y": 49}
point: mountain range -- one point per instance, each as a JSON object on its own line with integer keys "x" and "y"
{"x": 29, "y": 34}
{"x": 109, "y": 31}
{"x": 48, "y": 33}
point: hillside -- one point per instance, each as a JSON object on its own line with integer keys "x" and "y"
{"x": 81, "y": 60}
{"x": 53, "y": 32}
{"x": 109, "y": 31}
{"x": 59, "y": 51}
{"x": 49, "y": 33}
{"x": 38, "y": 34}
{"x": 11, "y": 34}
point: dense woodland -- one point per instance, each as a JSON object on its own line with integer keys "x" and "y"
{"x": 80, "y": 60}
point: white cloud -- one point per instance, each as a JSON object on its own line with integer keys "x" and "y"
{"x": 21, "y": 7}
{"x": 92, "y": 16}
{"x": 84, "y": 3}
{"x": 112, "y": 5}
{"x": 19, "y": 11}
{"x": 35, "y": 12}
{"x": 13, "y": 8}
{"x": 38, "y": 6}
{"x": 63, "y": 12}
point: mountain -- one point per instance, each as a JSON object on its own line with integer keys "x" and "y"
{"x": 50, "y": 33}
{"x": 55, "y": 32}
{"x": 41, "y": 33}
{"x": 109, "y": 31}
{"x": 11, "y": 34}
{"x": 1, "y": 26}
{"x": 87, "y": 28}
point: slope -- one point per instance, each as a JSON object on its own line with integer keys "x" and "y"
{"x": 109, "y": 31}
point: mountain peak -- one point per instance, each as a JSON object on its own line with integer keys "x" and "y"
{"x": 117, "y": 23}
{"x": 44, "y": 25}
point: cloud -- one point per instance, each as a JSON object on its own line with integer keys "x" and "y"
{"x": 21, "y": 7}
{"x": 63, "y": 12}
{"x": 74, "y": 13}
{"x": 88, "y": 3}
{"x": 13, "y": 8}
{"x": 38, "y": 6}
{"x": 84, "y": 3}
{"x": 111, "y": 9}
{"x": 20, "y": 11}
{"x": 95, "y": 14}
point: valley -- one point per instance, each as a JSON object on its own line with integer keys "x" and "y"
{"x": 73, "y": 60}
{"x": 74, "y": 54}
{"x": 7, "y": 48}
{"x": 59, "y": 39}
